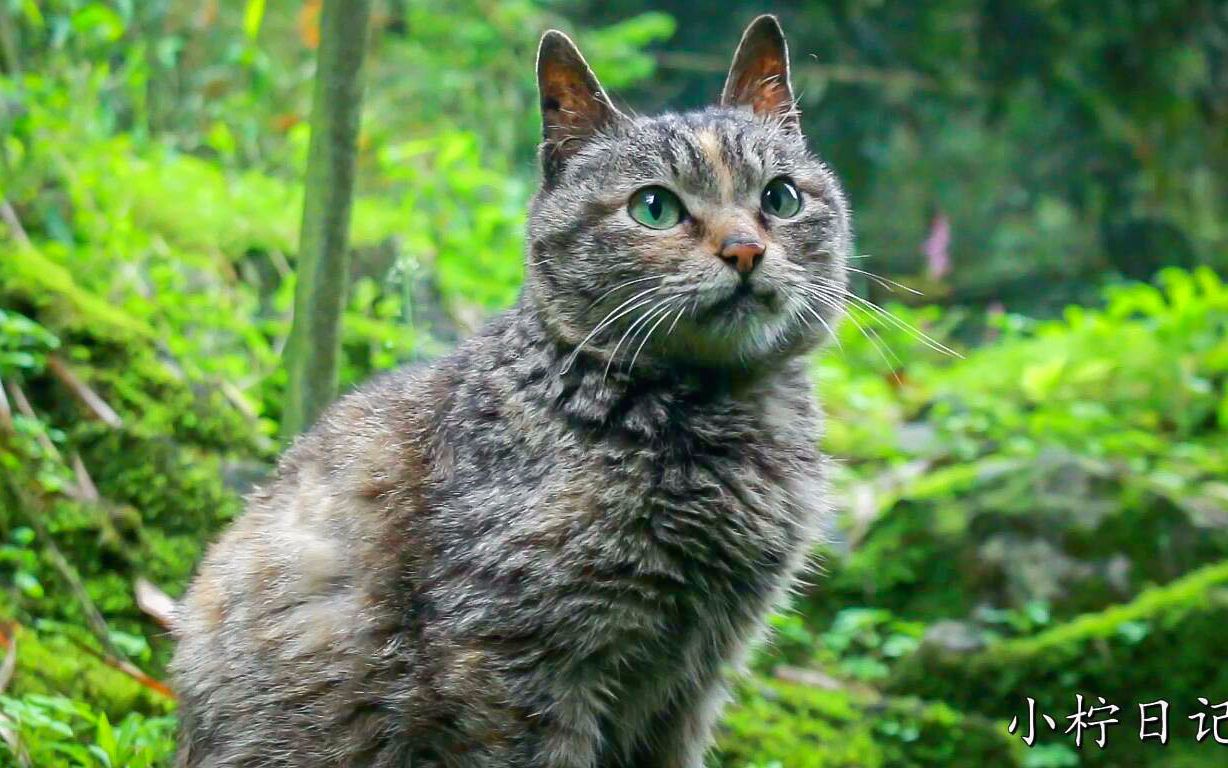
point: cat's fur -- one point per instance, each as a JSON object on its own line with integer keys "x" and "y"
{"x": 538, "y": 553}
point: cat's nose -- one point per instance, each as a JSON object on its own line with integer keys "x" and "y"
{"x": 742, "y": 252}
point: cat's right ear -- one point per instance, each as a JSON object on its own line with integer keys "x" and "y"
{"x": 759, "y": 77}
{"x": 574, "y": 106}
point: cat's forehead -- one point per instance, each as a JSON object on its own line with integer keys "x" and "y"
{"x": 709, "y": 152}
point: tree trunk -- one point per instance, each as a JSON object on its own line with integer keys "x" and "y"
{"x": 315, "y": 342}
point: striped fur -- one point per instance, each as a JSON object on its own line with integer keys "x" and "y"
{"x": 538, "y": 552}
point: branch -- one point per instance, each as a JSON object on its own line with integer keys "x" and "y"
{"x": 27, "y": 410}
{"x": 85, "y": 483}
{"x": 6, "y": 413}
{"x": 9, "y": 664}
{"x": 9, "y": 216}
{"x": 88, "y": 397}
{"x": 8, "y": 734}
{"x": 156, "y": 604}
{"x": 128, "y": 668}
{"x": 314, "y": 345}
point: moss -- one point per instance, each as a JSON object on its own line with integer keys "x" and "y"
{"x": 775, "y": 722}
{"x": 1046, "y": 531}
{"x": 53, "y": 665}
{"x": 161, "y": 477}
{"x": 30, "y": 277}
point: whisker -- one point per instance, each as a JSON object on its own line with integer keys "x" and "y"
{"x": 630, "y": 329}
{"x": 830, "y": 332}
{"x": 608, "y": 319}
{"x": 875, "y": 340}
{"x": 647, "y": 336}
{"x": 880, "y": 344}
{"x": 885, "y": 282}
{"x": 884, "y": 314}
{"x": 908, "y": 328}
{"x": 677, "y": 317}
{"x": 620, "y": 286}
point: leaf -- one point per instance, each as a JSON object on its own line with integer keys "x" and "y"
{"x": 99, "y": 20}
{"x": 253, "y": 16}
{"x": 29, "y": 585}
{"x": 104, "y": 737}
{"x": 1041, "y": 379}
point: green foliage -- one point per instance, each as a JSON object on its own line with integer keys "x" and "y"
{"x": 1013, "y": 511}
{"x": 53, "y": 730}
{"x": 1064, "y": 452}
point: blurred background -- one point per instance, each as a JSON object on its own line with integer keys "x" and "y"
{"x": 1042, "y": 515}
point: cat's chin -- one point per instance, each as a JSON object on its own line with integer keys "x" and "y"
{"x": 748, "y": 335}
{"x": 745, "y": 303}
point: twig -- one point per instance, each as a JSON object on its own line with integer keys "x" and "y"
{"x": 808, "y": 677}
{"x": 9, "y": 664}
{"x": 10, "y": 218}
{"x": 128, "y": 668}
{"x": 6, "y": 412}
{"x": 85, "y": 483}
{"x": 9, "y": 734}
{"x": 238, "y": 400}
{"x": 8, "y": 636}
{"x": 27, "y": 410}
{"x": 156, "y": 604}
{"x": 88, "y": 397}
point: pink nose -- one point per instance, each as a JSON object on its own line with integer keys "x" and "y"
{"x": 742, "y": 252}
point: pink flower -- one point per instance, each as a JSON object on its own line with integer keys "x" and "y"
{"x": 937, "y": 257}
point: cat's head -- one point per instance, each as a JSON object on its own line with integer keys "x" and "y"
{"x": 712, "y": 237}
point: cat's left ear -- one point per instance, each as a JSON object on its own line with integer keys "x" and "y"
{"x": 759, "y": 77}
{"x": 574, "y": 106}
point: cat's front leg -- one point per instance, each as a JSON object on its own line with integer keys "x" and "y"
{"x": 682, "y": 735}
{"x": 566, "y": 734}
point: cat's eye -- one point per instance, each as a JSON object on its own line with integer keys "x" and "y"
{"x": 781, "y": 198}
{"x": 655, "y": 208}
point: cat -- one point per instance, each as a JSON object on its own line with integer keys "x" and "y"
{"x": 547, "y": 549}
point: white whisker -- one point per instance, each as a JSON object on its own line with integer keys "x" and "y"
{"x": 610, "y": 318}
{"x": 647, "y": 336}
{"x": 631, "y": 329}
{"x": 620, "y": 286}
{"x": 887, "y": 283}
{"x": 884, "y": 314}
{"x": 830, "y": 332}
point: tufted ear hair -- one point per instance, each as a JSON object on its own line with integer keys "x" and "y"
{"x": 574, "y": 106}
{"x": 759, "y": 76}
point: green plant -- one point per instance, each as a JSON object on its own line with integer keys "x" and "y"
{"x": 53, "y": 731}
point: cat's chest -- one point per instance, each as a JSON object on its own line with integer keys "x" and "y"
{"x": 686, "y": 553}
{"x": 690, "y": 526}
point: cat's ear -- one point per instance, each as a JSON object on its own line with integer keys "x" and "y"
{"x": 574, "y": 106}
{"x": 759, "y": 77}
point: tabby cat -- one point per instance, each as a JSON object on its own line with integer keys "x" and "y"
{"x": 547, "y": 549}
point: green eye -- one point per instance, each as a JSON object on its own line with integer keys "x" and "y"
{"x": 655, "y": 208}
{"x": 781, "y": 198}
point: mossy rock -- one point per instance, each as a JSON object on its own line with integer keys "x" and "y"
{"x": 797, "y": 726}
{"x": 1167, "y": 644}
{"x": 1070, "y": 532}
